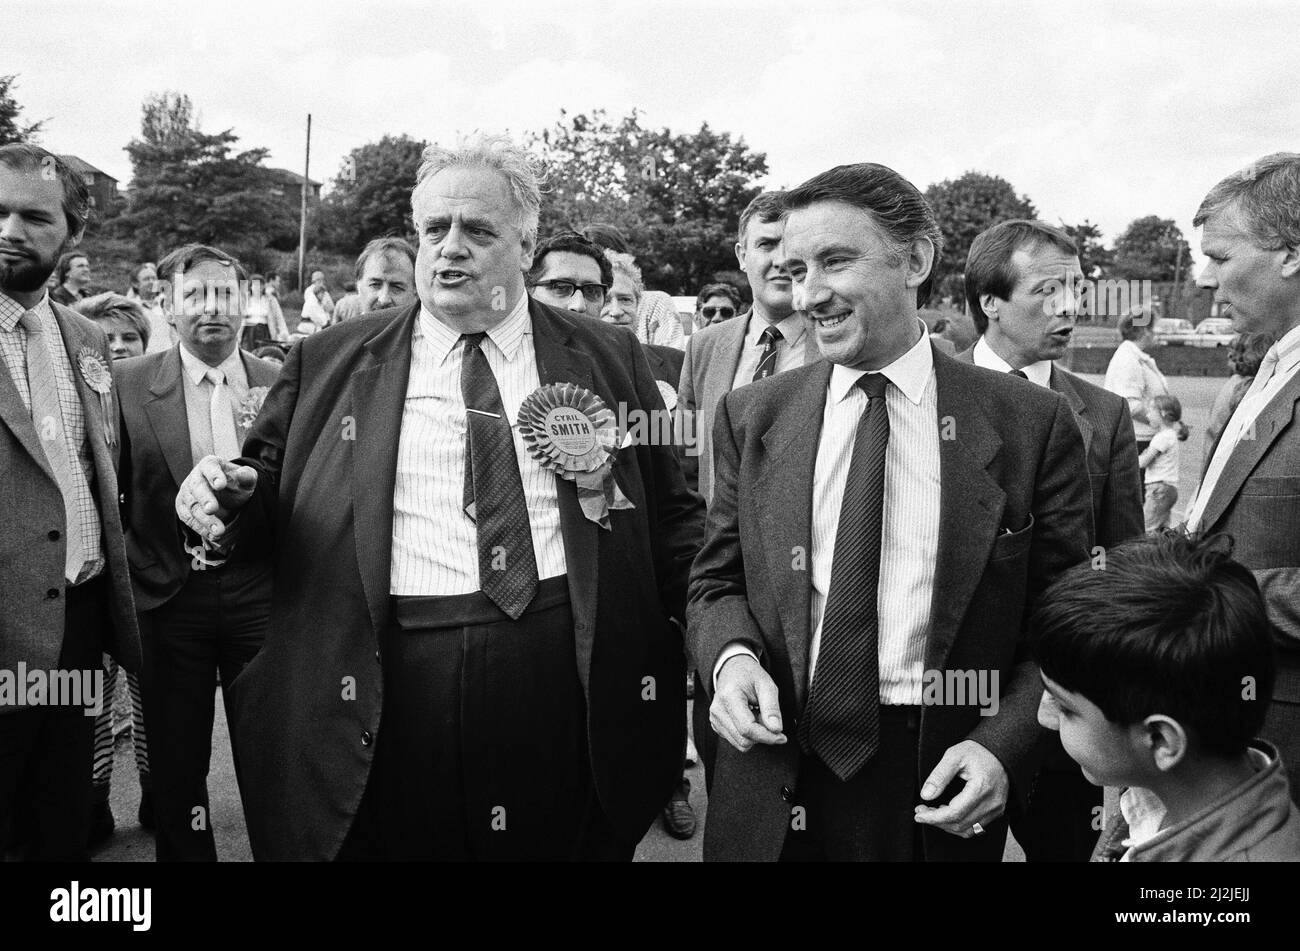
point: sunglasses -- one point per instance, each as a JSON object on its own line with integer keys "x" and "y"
{"x": 594, "y": 293}
{"x": 723, "y": 312}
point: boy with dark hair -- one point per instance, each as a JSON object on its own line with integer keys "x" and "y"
{"x": 1158, "y": 669}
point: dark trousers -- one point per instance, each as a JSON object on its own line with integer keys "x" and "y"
{"x": 869, "y": 817}
{"x": 706, "y": 741}
{"x": 215, "y": 623}
{"x": 482, "y": 747}
{"x": 44, "y": 782}
{"x": 1063, "y": 819}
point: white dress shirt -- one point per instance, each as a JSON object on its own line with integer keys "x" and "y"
{"x": 198, "y": 398}
{"x": 909, "y": 538}
{"x": 1284, "y": 359}
{"x": 789, "y": 353}
{"x": 435, "y": 545}
{"x": 985, "y": 356}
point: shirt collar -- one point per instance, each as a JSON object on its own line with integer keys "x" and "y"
{"x": 793, "y": 326}
{"x": 1288, "y": 351}
{"x": 985, "y": 356}
{"x": 196, "y": 369}
{"x": 507, "y": 335}
{"x": 11, "y": 311}
{"x": 910, "y": 373}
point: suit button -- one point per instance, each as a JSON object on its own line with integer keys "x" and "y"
{"x": 366, "y": 738}
{"x": 54, "y": 535}
{"x": 52, "y": 594}
{"x": 378, "y": 659}
{"x": 787, "y": 793}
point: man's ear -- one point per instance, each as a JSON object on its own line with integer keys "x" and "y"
{"x": 740, "y": 255}
{"x": 989, "y": 305}
{"x": 528, "y": 247}
{"x": 1166, "y": 741}
{"x": 920, "y": 261}
{"x": 1291, "y": 261}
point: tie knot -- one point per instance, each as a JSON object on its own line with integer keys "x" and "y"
{"x": 473, "y": 341}
{"x": 215, "y": 376}
{"x": 770, "y": 337}
{"x": 873, "y": 384}
{"x": 30, "y": 322}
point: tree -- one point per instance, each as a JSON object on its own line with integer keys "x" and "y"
{"x": 1150, "y": 249}
{"x": 966, "y": 206}
{"x": 188, "y": 186}
{"x": 1093, "y": 255}
{"x": 11, "y": 130}
{"x": 677, "y": 196}
{"x": 371, "y": 196}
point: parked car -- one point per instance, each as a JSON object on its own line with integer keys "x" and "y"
{"x": 1174, "y": 331}
{"x": 1214, "y": 332}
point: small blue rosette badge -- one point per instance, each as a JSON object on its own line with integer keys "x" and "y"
{"x": 572, "y": 433}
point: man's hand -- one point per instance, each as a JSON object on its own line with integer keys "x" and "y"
{"x": 983, "y": 799}
{"x": 743, "y": 686}
{"x": 213, "y": 492}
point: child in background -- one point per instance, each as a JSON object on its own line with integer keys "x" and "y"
{"x": 1159, "y": 461}
{"x": 1157, "y": 672}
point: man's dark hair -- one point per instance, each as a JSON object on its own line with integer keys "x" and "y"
{"x": 988, "y": 265}
{"x": 185, "y": 258}
{"x": 24, "y": 157}
{"x": 607, "y": 237}
{"x": 388, "y": 245}
{"x": 767, "y": 207}
{"x": 65, "y": 264}
{"x": 573, "y": 243}
{"x": 1170, "y": 625}
{"x": 719, "y": 290}
{"x": 897, "y": 207}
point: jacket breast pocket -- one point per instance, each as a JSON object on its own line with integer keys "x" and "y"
{"x": 1287, "y": 487}
{"x": 1013, "y": 544}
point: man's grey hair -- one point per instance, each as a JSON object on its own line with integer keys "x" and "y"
{"x": 1265, "y": 195}
{"x": 521, "y": 170}
{"x": 625, "y": 264}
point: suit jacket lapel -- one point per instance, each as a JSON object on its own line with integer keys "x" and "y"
{"x": 378, "y": 392}
{"x": 785, "y": 490}
{"x": 1272, "y": 421}
{"x": 1065, "y": 386}
{"x": 723, "y": 363}
{"x": 16, "y": 416}
{"x": 560, "y": 362}
{"x": 168, "y": 415}
{"x": 970, "y": 504}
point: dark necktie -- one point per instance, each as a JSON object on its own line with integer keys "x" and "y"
{"x": 841, "y": 721}
{"x": 494, "y": 490}
{"x": 1019, "y": 373}
{"x": 770, "y": 339}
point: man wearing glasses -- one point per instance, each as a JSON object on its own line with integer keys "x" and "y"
{"x": 571, "y": 273}
{"x": 716, "y": 303}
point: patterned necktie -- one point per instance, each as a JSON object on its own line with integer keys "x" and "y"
{"x": 841, "y": 721}
{"x": 225, "y": 441}
{"x": 47, "y": 417}
{"x": 770, "y": 338}
{"x": 494, "y": 489}
{"x": 1019, "y": 373}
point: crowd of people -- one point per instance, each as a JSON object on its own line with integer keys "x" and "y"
{"x": 457, "y": 585}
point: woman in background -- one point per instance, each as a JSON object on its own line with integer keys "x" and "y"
{"x": 263, "y": 319}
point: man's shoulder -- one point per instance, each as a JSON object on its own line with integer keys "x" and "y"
{"x": 704, "y": 340}
{"x": 1095, "y": 397}
{"x": 775, "y": 393}
{"x": 136, "y": 370}
{"x": 1007, "y": 401}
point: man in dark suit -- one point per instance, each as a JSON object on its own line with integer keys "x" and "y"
{"x": 484, "y": 666}
{"x": 1251, "y": 489}
{"x": 880, "y": 521}
{"x": 200, "y": 616}
{"x": 1023, "y": 290}
{"x": 67, "y": 594}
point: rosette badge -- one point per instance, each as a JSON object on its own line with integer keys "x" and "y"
{"x": 570, "y": 431}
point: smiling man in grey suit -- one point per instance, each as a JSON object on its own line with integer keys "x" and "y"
{"x": 67, "y": 595}
{"x": 770, "y": 338}
{"x": 1023, "y": 288}
{"x": 1251, "y": 490}
{"x": 880, "y": 520}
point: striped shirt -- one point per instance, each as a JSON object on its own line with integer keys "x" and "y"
{"x": 909, "y": 538}
{"x": 435, "y": 545}
{"x": 13, "y": 347}
{"x": 789, "y": 352}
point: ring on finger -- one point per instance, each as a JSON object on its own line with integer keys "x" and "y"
{"x": 977, "y": 829}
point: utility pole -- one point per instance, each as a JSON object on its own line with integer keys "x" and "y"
{"x": 302, "y": 217}
{"x": 1178, "y": 287}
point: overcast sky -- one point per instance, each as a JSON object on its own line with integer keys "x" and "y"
{"x": 1101, "y": 110}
